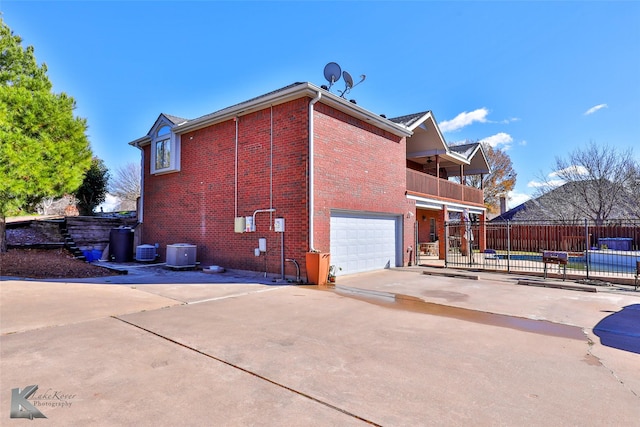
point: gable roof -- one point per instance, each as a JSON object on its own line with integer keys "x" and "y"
{"x": 174, "y": 119}
{"x": 465, "y": 150}
{"x": 427, "y": 141}
{"x": 410, "y": 119}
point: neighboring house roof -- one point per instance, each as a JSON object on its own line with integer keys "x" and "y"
{"x": 510, "y": 214}
{"x": 559, "y": 204}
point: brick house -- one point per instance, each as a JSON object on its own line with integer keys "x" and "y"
{"x": 362, "y": 196}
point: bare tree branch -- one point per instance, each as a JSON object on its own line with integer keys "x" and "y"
{"x": 125, "y": 185}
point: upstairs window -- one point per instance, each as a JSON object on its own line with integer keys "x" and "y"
{"x": 163, "y": 148}
{"x": 165, "y": 153}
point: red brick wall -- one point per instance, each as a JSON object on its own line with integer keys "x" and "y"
{"x": 424, "y": 230}
{"x": 196, "y": 205}
{"x": 358, "y": 167}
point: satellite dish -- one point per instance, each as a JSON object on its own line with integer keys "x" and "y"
{"x": 332, "y": 72}
{"x": 347, "y": 79}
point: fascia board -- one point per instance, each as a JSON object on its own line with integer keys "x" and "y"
{"x": 451, "y": 206}
{"x": 145, "y": 140}
{"x": 421, "y": 121}
{"x": 435, "y": 124}
{"x": 484, "y": 157}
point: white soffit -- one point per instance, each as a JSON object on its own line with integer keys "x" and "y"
{"x": 422, "y": 202}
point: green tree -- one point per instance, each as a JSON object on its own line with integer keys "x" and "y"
{"x": 93, "y": 190}
{"x": 44, "y": 151}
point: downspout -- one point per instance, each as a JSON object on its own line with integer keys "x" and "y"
{"x": 271, "y": 166}
{"x": 235, "y": 185}
{"x": 311, "y": 166}
{"x": 141, "y": 206}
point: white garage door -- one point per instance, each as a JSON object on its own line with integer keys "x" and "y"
{"x": 361, "y": 242}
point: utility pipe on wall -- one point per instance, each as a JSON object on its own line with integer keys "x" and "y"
{"x": 271, "y": 166}
{"x": 235, "y": 119}
{"x": 311, "y": 166}
{"x": 141, "y": 203}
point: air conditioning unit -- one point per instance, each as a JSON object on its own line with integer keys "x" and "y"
{"x": 181, "y": 255}
{"x": 145, "y": 253}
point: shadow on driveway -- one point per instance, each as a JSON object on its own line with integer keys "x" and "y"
{"x": 621, "y": 330}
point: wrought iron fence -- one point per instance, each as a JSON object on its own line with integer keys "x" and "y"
{"x": 610, "y": 249}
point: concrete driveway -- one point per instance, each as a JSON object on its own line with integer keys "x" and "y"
{"x": 387, "y": 348}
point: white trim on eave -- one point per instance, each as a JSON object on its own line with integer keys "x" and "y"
{"x": 145, "y": 140}
{"x": 427, "y": 203}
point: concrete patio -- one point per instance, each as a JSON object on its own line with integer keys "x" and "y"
{"x": 394, "y": 347}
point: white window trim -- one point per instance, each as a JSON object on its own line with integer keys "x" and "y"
{"x": 174, "y": 147}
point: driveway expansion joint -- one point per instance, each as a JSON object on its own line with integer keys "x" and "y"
{"x": 246, "y": 371}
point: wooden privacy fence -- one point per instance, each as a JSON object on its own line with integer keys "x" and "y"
{"x": 555, "y": 236}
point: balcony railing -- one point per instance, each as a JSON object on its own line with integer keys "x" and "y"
{"x": 430, "y": 185}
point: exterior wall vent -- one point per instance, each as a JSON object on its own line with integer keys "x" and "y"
{"x": 181, "y": 255}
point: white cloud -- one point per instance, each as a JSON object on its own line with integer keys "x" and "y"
{"x": 571, "y": 170}
{"x": 464, "y": 119}
{"x": 110, "y": 204}
{"x": 552, "y": 183}
{"x": 595, "y": 108}
{"x": 498, "y": 139}
{"x": 516, "y": 199}
{"x": 556, "y": 177}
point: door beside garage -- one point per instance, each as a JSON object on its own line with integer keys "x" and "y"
{"x": 364, "y": 241}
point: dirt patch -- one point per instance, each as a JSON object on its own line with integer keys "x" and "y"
{"x": 47, "y": 264}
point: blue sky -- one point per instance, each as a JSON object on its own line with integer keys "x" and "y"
{"x": 538, "y": 79}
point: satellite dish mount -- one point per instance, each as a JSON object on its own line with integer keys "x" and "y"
{"x": 332, "y": 73}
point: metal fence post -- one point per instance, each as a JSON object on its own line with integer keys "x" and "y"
{"x": 446, "y": 244}
{"x": 508, "y": 246}
{"x": 586, "y": 239}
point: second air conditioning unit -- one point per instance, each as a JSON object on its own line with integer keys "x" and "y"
{"x": 181, "y": 255}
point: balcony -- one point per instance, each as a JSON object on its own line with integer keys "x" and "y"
{"x": 429, "y": 185}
